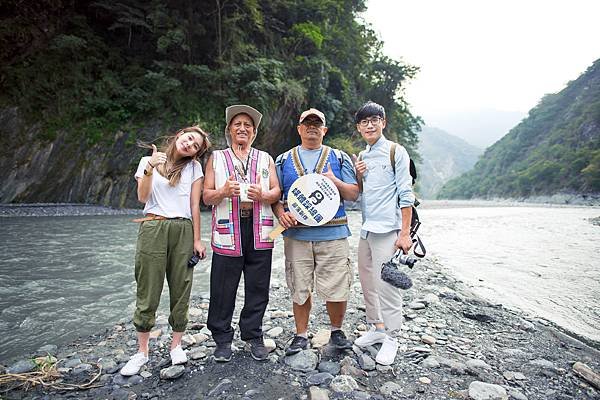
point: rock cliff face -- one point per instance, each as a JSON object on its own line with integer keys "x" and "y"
{"x": 63, "y": 170}
{"x": 67, "y": 170}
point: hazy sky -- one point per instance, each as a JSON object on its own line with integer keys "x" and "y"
{"x": 496, "y": 54}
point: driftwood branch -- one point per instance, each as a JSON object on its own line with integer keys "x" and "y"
{"x": 587, "y": 373}
{"x": 47, "y": 376}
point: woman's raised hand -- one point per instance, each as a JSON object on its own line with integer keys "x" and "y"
{"x": 157, "y": 157}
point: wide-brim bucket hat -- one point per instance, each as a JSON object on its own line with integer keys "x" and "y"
{"x": 234, "y": 110}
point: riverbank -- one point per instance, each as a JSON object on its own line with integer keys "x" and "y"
{"x": 454, "y": 345}
{"x": 78, "y": 209}
{"x": 61, "y": 210}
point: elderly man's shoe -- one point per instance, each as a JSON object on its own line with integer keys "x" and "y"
{"x": 223, "y": 352}
{"x": 258, "y": 350}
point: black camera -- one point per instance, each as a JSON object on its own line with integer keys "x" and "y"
{"x": 404, "y": 259}
{"x": 193, "y": 260}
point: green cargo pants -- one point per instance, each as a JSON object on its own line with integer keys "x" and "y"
{"x": 163, "y": 248}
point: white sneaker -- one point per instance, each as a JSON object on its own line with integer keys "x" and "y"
{"x": 178, "y": 356}
{"x": 369, "y": 338}
{"x": 134, "y": 364}
{"x": 387, "y": 353}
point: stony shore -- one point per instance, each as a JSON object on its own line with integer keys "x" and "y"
{"x": 60, "y": 210}
{"x": 454, "y": 345}
{"x": 576, "y": 199}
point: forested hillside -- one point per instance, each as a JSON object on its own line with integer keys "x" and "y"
{"x": 443, "y": 156}
{"x": 556, "y": 149}
{"x": 81, "y": 81}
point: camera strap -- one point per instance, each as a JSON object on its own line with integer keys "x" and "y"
{"x": 418, "y": 246}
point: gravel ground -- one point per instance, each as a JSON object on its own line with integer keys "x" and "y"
{"x": 454, "y": 345}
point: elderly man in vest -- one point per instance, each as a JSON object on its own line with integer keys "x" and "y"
{"x": 240, "y": 185}
{"x": 316, "y": 256}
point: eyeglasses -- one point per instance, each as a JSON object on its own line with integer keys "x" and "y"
{"x": 317, "y": 123}
{"x": 365, "y": 122}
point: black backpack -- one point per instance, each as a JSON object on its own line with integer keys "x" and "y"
{"x": 415, "y": 223}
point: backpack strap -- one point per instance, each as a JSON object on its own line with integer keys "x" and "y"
{"x": 393, "y": 157}
{"x": 322, "y": 162}
{"x": 280, "y": 160}
{"x": 338, "y": 155}
{"x": 412, "y": 169}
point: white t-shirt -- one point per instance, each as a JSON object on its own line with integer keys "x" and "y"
{"x": 171, "y": 201}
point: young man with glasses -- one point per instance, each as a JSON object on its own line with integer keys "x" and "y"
{"x": 316, "y": 256}
{"x": 386, "y": 202}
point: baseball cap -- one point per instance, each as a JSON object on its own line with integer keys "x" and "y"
{"x": 313, "y": 111}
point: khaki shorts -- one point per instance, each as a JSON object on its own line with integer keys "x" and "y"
{"x": 322, "y": 265}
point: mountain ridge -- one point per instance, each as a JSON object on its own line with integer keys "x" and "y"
{"x": 480, "y": 127}
{"x": 555, "y": 150}
{"x": 443, "y": 156}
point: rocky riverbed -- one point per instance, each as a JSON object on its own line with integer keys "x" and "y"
{"x": 453, "y": 345}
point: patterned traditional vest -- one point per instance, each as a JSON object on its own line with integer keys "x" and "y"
{"x": 292, "y": 169}
{"x": 226, "y": 234}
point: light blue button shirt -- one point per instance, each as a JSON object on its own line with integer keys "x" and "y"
{"x": 384, "y": 192}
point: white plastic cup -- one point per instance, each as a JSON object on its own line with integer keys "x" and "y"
{"x": 244, "y": 192}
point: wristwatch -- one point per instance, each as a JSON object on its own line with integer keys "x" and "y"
{"x": 147, "y": 173}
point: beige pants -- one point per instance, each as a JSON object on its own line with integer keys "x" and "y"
{"x": 382, "y": 301}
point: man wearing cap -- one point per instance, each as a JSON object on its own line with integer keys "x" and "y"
{"x": 316, "y": 256}
{"x": 240, "y": 185}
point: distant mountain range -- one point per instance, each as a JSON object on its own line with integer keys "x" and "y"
{"x": 443, "y": 156}
{"x": 555, "y": 150}
{"x": 480, "y": 128}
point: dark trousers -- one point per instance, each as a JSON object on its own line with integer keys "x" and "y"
{"x": 224, "y": 281}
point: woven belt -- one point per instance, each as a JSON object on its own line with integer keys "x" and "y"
{"x": 153, "y": 217}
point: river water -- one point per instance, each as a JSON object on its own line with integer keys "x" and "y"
{"x": 65, "y": 277}
{"x": 544, "y": 260}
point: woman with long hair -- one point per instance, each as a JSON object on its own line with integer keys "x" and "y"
{"x": 169, "y": 183}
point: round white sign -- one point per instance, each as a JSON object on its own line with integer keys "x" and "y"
{"x": 313, "y": 199}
